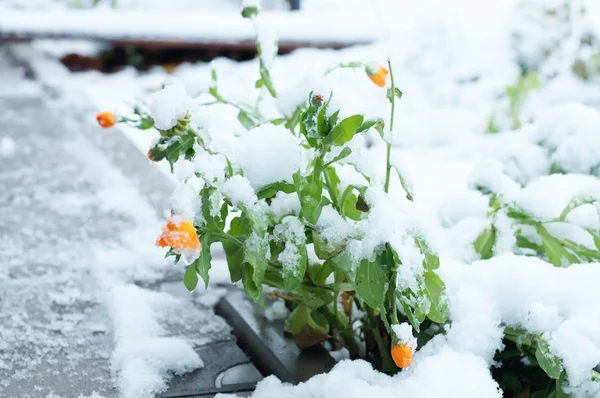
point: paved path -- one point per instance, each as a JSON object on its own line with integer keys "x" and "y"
{"x": 74, "y": 237}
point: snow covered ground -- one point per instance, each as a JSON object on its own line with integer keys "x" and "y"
{"x": 80, "y": 313}
{"x": 453, "y": 61}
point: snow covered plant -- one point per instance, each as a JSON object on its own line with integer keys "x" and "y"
{"x": 288, "y": 219}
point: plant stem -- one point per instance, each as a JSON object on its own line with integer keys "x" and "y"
{"x": 388, "y": 165}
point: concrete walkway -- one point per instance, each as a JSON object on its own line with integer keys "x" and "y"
{"x": 73, "y": 230}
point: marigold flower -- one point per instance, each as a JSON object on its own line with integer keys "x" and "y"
{"x": 179, "y": 234}
{"x": 106, "y": 119}
{"x": 402, "y": 355}
{"x": 377, "y": 73}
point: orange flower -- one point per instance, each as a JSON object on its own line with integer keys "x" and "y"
{"x": 106, "y": 119}
{"x": 377, "y": 73}
{"x": 179, "y": 234}
{"x": 150, "y": 154}
{"x": 402, "y": 355}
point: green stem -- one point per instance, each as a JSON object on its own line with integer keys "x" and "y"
{"x": 388, "y": 165}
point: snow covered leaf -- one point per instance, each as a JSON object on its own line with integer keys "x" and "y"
{"x": 246, "y": 120}
{"x": 265, "y": 80}
{"x": 190, "y": 278}
{"x": 404, "y": 184}
{"x": 547, "y": 360}
{"x": 370, "y": 283}
{"x": 323, "y": 125}
{"x": 172, "y": 148}
{"x": 293, "y": 271}
{"x": 408, "y": 311}
{"x": 485, "y": 242}
{"x": 575, "y": 203}
{"x": 431, "y": 261}
{"x": 435, "y": 291}
{"x": 344, "y": 130}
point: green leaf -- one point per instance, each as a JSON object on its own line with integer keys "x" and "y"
{"x": 431, "y": 261}
{"x": 249, "y": 12}
{"x": 370, "y": 283}
{"x": 554, "y": 249}
{"x": 404, "y": 184}
{"x": 246, "y": 120}
{"x": 409, "y": 312}
{"x": 293, "y": 120}
{"x": 320, "y": 272}
{"x": 547, "y": 360}
{"x": 253, "y": 290}
{"x": 310, "y": 192}
{"x": 265, "y": 78}
{"x": 344, "y": 130}
{"x": 314, "y": 297}
{"x": 307, "y": 327}
{"x": 485, "y": 242}
{"x": 348, "y": 202}
{"x": 270, "y": 190}
{"x": 492, "y": 127}
{"x": 172, "y": 148}
{"x": 390, "y": 94}
{"x": 234, "y": 252}
{"x": 293, "y": 274}
{"x": 322, "y": 122}
{"x": 560, "y": 392}
{"x": 525, "y": 243}
{"x": 345, "y": 65}
{"x": 332, "y": 182}
{"x": 203, "y": 263}
{"x": 573, "y": 204}
{"x": 435, "y": 292}
{"x": 368, "y": 124}
{"x": 190, "y": 278}
{"x": 343, "y": 264}
{"x": 344, "y": 153}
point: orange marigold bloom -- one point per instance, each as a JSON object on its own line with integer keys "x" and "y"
{"x": 106, "y": 119}
{"x": 402, "y": 355}
{"x": 377, "y": 73}
{"x": 179, "y": 234}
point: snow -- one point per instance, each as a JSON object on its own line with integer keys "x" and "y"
{"x": 277, "y": 311}
{"x": 264, "y": 164}
{"x": 192, "y": 26}
{"x": 168, "y": 105}
{"x": 144, "y": 356}
{"x": 239, "y": 190}
{"x": 7, "y": 147}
